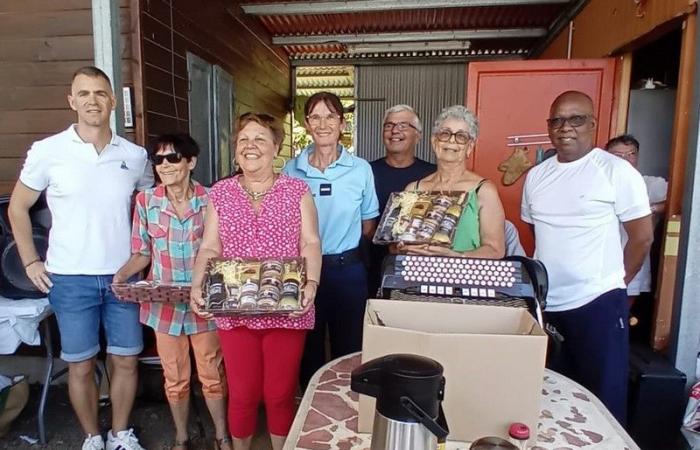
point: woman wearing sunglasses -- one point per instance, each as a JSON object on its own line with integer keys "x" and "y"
{"x": 167, "y": 232}
{"x": 480, "y": 230}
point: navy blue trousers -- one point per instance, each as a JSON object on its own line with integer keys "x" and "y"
{"x": 595, "y": 351}
{"x": 340, "y": 309}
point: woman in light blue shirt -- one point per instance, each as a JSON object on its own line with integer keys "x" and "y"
{"x": 343, "y": 188}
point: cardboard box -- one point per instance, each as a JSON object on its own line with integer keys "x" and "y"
{"x": 493, "y": 358}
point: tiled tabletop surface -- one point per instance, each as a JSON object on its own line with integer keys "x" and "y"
{"x": 570, "y": 418}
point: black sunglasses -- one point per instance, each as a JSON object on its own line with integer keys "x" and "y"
{"x": 573, "y": 121}
{"x": 173, "y": 158}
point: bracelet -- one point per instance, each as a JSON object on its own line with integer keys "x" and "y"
{"x": 312, "y": 281}
{"x": 32, "y": 262}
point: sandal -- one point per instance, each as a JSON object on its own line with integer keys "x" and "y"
{"x": 225, "y": 443}
{"x": 181, "y": 445}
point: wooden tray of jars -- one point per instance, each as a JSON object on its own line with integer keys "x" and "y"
{"x": 152, "y": 291}
{"x": 235, "y": 287}
{"x": 420, "y": 217}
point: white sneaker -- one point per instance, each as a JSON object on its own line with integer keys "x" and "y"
{"x": 124, "y": 440}
{"x": 93, "y": 443}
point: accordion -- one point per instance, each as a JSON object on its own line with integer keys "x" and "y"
{"x": 515, "y": 281}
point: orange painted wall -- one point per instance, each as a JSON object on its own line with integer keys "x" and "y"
{"x": 604, "y": 27}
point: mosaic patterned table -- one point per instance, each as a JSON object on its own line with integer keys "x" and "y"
{"x": 571, "y": 417}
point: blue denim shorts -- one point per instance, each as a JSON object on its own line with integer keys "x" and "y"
{"x": 84, "y": 302}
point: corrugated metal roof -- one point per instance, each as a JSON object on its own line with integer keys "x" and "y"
{"x": 525, "y": 17}
{"x": 413, "y": 20}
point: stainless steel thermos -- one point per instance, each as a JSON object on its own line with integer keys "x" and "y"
{"x": 409, "y": 390}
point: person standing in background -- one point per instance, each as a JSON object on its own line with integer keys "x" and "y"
{"x": 402, "y": 130}
{"x": 627, "y": 148}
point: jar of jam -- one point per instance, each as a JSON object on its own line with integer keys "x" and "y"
{"x": 290, "y": 291}
{"x": 271, "y": 268}
{"x": 268, "y": 297}
{"x": 435, "y": 214}
{"x": 234, "y": 291}
{"x": 448, "y": 224}
{"x": 386, "y": 232}
{"x": 427, "y": 229}
{"x": 216, "y": 292}
{"x": 249, "y": 294}
{"x": 443, "y": 201}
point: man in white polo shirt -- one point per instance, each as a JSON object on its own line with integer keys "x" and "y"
{"x": 576, "y": 202}
{"x": 89, "y": 175}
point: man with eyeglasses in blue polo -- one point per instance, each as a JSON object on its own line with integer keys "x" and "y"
{"x": 402, "y": 130}
{"x": 576, "y": 202}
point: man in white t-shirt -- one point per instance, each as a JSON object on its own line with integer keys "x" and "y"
{"x": 627, "y": 148}
{"x": 89, "y": 175}
{"x": 576, "y": 201}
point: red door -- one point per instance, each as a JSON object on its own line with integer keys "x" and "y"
{"x": 511, "y": 100}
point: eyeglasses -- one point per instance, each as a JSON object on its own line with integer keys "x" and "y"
{"x": 445, "y": 135}
{"x": 173, "y": 158}
{"x": 626, "y": 155}
{"x": 574, "y": 121}
{"x": 316, "y": 119}
{"x": 401, "y": 126}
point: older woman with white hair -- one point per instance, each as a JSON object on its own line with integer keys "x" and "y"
{"x": 480, "y": 230}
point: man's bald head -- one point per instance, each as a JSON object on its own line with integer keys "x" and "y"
{"x": 572, "y": 125}
{"x": 573, "y": 96}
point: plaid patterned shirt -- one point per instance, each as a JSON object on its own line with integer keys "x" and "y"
{"x": 172, "y": 244}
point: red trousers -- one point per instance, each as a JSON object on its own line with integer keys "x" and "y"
{"x": 261, "y": 365}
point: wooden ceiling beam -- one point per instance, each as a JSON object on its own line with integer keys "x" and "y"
{"x": 411, "y": 36}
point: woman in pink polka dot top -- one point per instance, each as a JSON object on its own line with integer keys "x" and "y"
{"x": 260, "y": 214}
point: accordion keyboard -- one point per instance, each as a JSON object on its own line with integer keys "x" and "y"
{"x": 459, "y": 280}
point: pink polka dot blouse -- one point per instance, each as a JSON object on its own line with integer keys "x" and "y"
{"x": 271, "y": 232}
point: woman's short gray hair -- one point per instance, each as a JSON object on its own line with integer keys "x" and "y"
{"x": 458, "y": 112}
{"x": 402, "y": 108}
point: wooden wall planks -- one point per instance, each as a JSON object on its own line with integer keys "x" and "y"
{"x": 219, "y": 35}
{"x": 42, "y": 43}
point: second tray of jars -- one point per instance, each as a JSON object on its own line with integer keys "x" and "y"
{"x": 420, "y": 217}
{"x": 250, "y": 287}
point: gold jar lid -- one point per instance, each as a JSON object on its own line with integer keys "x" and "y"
{"x": 453, "y": 210}
{"x": 441, "y": 237}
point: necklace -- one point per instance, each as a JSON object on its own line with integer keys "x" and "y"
{"x": 257, "y": 195}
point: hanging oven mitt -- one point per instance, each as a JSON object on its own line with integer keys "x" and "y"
{"x": 515, "y": 166}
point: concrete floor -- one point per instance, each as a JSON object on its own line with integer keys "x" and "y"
{"x": 150, "y": 418}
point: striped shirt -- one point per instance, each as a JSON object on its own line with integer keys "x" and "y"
{"x": 172, "y": 244}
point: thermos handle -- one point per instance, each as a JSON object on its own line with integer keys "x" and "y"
{"x": 440, "y": 430}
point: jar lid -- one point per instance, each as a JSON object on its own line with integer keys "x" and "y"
{"x": 519, "y": 431}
